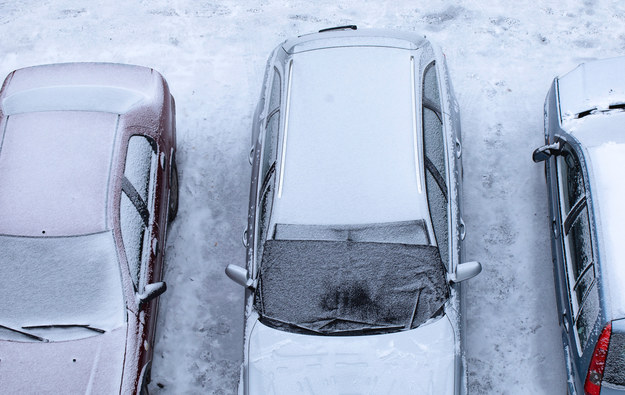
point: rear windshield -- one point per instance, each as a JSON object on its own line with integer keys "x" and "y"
{"x": 614, "y": 374}
{"x": 347, "y": 287}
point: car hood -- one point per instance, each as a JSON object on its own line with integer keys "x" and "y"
{"x": 91, "y": 365}
{"x": 420, "y": 360}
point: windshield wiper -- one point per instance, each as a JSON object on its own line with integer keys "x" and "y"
{"x": 303, "y": 328}
{"x": 41, "y": 339}
{"x": 368, "y": 329}
{"x": 416, "y": 306}
{"x": 86, "y": 326}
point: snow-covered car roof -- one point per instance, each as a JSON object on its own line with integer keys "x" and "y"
{"x": 55, "y": 169}
{"x": 342, "y": 101}
{"x": 606, "y": 162}
{"x": 60, "y": 124}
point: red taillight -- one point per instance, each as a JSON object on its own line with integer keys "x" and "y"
{"x": 597, "y": 363}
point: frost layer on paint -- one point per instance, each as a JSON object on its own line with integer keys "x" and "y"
{"x": 60, "y": 281}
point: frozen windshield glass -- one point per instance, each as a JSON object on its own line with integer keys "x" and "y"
{"x": 346, "y": 287}
{"x": 404, "y": 232}
{"x": 60, "y": 284}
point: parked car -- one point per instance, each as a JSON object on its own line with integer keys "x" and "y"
{"x": 354, "y": 240}
{"x": 88, "y": 182}
{"x": 584, "y": 156}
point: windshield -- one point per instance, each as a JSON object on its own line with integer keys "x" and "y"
{"x": 347, "y": 287}
{"x": 56, "y": 287}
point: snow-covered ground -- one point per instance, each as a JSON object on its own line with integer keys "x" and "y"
{"x": 502, "y": 57}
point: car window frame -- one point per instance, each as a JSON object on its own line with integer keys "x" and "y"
{"x": 145, "y": 210}
{"x": 441, "y": 178}
{"x": 577, "y": 209}
{"x": 267, "y": 171}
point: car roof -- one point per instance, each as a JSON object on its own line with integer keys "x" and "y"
{"x": 602, "y": 137}
{"x": 57, "y": 151}
{"x": 350, "y": 154}
{"x": 55, "y": 170}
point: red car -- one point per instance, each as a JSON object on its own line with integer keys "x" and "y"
{"x": 88, "y": 183}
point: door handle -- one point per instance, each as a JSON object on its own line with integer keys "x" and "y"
{"x": 463, "y": 230}
{"x": 250, "y": 156}
{"x": 244, "y": 239}
{"x": 554, "y": 226}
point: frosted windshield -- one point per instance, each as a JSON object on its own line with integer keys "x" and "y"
{"x": 346, "y": 287}
{"x": 60, "y": 281}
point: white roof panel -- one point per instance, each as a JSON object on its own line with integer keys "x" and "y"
{"x": 607, "y": 162}
{"x": 54, "y": 172}
{"x": 350, "y": 156}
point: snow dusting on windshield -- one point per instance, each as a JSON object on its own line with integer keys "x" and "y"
{"x": 60, "y": 281}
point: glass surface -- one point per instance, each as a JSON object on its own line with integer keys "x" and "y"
{"x": 437, "y": 204}
{"x": 274, "y": 98}
{"x": 571, "y": 174}
{"x": 139, "y": 158}
{"x": 133, "y": 230}
{"x": 430, "y": 85}
{"x": 57, "y": 281}
{"x": 347, "y": 287}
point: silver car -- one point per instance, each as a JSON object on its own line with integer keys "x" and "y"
{"x": 584, "y": 159}
{"x": 354, "y": 239}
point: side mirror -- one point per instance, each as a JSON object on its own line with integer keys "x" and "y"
{"x": 546, "y": 151}
{"x": 239, "y": 276}
{"x": 151, "y": 291}
{"x": 465, "y": 271}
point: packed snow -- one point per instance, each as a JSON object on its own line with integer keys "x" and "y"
{"x": 502, "y": 58}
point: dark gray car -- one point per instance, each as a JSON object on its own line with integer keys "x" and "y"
{"x": 584, "y": 159}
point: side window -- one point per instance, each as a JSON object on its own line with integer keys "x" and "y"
{"x": 435, "y": 161}
{"x": 270, "y": 144}
{"x": 580, "y": 255}
{"x": 270, "y": 140}
{"x": 268, "y": 164}
{"x": 274, "y": 97}
{"x": 264, "y": 213}
{"x": 571, "y": 170}
{"x": 577, "y": 243}
{"x": 430, "y": 84}
{"x": 137, "y": 201}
